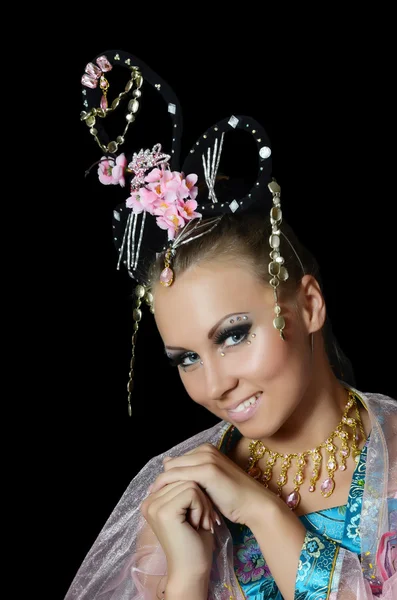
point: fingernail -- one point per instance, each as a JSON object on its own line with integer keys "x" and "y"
{"x": 150, "y": 488}
{"x": 166, "y": 458}
{"x": 212, "y": 529}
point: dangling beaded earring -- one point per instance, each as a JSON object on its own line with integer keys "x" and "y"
{"x": 276, "y": 269}
{"x": 141, "y": 293}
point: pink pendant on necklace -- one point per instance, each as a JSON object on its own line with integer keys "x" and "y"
{"x": 293, "y": 499}
{"x": 104, "y": 103}
{"x": 255, "y": 472}
{"x": 327, "y": 487}
{"x": 166, "y": 277}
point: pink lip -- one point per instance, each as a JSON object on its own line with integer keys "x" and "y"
{"x": 245, "y": 414}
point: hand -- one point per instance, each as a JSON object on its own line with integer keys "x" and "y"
{"x": 182, "y": 516}
{"x": 230, "y": 488}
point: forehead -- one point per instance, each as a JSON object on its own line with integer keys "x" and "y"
{"x": 204, "y": 294}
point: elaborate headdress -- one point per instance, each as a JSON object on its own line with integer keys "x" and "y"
{"x": 163, "y": 207}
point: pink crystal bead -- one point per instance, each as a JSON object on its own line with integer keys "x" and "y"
{"x": 327, "y": 487}
{"x": 93, "y": 70}
{"x": 104, "y": 102}
{"x": 89, "y": 81}
{"x": 344, "y": 452}
{"x": 342, "y": 467}
{"x": 293, "y": 500}
{"x": 167, "y": 276}
{"x": 104, "y": 64}
{"x": 311, "y": 488}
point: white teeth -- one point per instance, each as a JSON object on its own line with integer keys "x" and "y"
{"x": 246, "y": 403}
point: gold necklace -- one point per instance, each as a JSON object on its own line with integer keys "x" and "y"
{"x": 258, "y": 451}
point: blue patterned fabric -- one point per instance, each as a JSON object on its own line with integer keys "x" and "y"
{"x": 327, "y": 531}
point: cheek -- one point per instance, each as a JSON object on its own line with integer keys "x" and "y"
{"x": 194, "y": 384}
{"x": 264, "y": 357}
{"x": 268, "y": 359}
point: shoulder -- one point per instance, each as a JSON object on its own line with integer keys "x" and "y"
{"x": 383, "y": 413}
{"x": 378, "y": 404}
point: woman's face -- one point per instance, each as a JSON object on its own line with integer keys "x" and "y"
{"x": 216, "y": 322}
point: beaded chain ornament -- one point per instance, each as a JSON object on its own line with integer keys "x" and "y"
{"x": 93, "y": 74}
{"x": 258, "y": 451}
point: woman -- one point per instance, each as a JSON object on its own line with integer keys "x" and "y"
{"x": 294, "y": 493}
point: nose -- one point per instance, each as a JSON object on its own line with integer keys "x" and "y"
{"x": 219, "y": 379}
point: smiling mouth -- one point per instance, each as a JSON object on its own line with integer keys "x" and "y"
{"x": 246, "y": 403}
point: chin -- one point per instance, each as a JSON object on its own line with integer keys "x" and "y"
{"x": 261, "y": 425}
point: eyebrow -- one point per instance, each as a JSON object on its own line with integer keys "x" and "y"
{"x": 211, "y": 331}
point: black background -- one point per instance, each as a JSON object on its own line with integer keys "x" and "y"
{"x": 324, "y": 100}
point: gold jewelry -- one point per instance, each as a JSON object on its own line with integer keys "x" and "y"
{"x": 276, "y": 270}
{"x": 258, "y": 450}
{"x": 167, "y": 274}
{"x": 141, "y": 294}
{"x": 133, "y": 107}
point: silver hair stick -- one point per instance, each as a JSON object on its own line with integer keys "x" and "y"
{"x": 124, "y": 240}
{"x": 129, "y": 239}
{"x": 190, "y": 231}
{"x": 211, "y": 169}
{"x": 140, "y": 240}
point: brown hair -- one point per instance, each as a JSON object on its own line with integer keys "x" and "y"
{"x": 243, "y": 238}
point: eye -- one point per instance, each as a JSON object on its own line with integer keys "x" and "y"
{"x": 186, "y": 361}
{"x": 191, "y": 358}
{"x": 233, "y": 336}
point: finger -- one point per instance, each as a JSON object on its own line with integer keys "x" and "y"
{"x": 199, "y": 515}
{"x": 207, "y": 447}
{"x": 200, "y": 473}
{"x": 215, "y": 517}
{"x": 168, "y": 487}
{"x": 207, "y": 522}
{"x": 168, "y": 493}
{"x": 163, "y": 491}
{"x": 186, "y": 501}
{"x": 186, "y": 460}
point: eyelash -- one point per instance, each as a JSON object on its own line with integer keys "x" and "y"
{"x": 221, "y": 337}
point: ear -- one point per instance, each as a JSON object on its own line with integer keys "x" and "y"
{"x": 311, "y": 303}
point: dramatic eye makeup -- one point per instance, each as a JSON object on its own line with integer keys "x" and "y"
{"x": 235, "y": 331}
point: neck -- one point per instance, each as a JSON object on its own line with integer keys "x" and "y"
{"x": 318, "y": 414}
